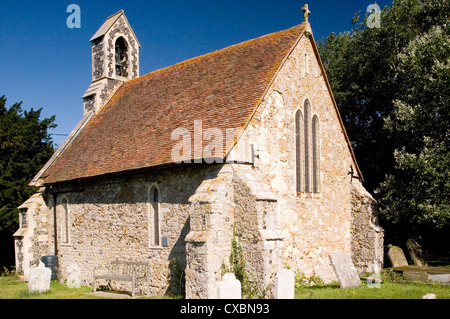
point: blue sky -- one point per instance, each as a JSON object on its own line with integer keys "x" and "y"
{"x": 46, "y": 64}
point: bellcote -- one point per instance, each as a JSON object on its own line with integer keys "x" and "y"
{"x": 115, "y": 59}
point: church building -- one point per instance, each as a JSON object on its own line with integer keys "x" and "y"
{"x": 243, "y": 143}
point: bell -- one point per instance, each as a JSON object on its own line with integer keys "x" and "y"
{"x": 118, "y": 54}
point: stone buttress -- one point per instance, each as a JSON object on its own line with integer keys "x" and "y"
{"x": 231, "y": 201}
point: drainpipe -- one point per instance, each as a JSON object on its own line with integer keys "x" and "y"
{"x": 54, "y": 220}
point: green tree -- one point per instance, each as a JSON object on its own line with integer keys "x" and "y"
{"x": 417, "y": 194}
{"x": 391, "y": 87}
{"x": 25, "y": 146}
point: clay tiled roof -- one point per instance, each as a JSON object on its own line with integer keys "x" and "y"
{"x": 133, "y": 130}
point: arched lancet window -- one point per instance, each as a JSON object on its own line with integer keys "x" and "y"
{"x": 121, "y": 57}
{"x": 307, "y": 126}
{"x": 298, "y": 150}
{"x": 307, "y": 150}
{"x": 154, "y": 230}
{"x": 315, "y": 154}
{"x": 65, "y": 220}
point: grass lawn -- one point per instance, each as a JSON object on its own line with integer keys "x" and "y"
{"x": 13, "y": 288}
{"x": 387, "y": 290}
{"x": 394, "y": 286}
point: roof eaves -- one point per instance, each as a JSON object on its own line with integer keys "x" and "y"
{"x": 37, "y": 180}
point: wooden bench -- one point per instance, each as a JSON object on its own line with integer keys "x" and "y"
{"x": 126, "y": 271}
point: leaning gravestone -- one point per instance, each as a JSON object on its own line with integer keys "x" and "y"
{"x": 416, "y": 252}
{"x": 73, "y": 276}
{"x": 397, "y": 257}
{"x": 39, "y": 279}
{"x": 284, "y": 284}
{"x": 344, "y": 269}
{"x": 229, "y": 287}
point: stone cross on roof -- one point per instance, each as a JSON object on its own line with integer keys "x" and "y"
{"x": 306, "y": 12}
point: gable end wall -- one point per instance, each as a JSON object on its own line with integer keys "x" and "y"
{"x": 313, "y": 225}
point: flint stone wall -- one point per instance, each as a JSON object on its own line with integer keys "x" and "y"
{"x": 367, "y": 237}
{"x": 104, "y": 78}
{"x": 110, "y": 220}
{"x": 103, "y": 52}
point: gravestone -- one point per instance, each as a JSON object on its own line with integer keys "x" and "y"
{"x": 39, "y": 279}
{"x": 229, "y": 287}
{"x": 284, "y": 284}
{"x": 443, "y": 278}
{"x": 73, "y": 276}
{"x": 397, "y": 257}
{"x": 344, "y": 269}
{"x": 416, "y": 253}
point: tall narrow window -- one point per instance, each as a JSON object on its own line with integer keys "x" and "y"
{"x": 154, "y": 216}
{"x": 307, "y": 150}
{"x": 298, "y": 150}
{"x": 121, "y": 57}
{"x": 65, "y": 221}
{"x": 315, "y": 154}
{"x": 307, "y": 126}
